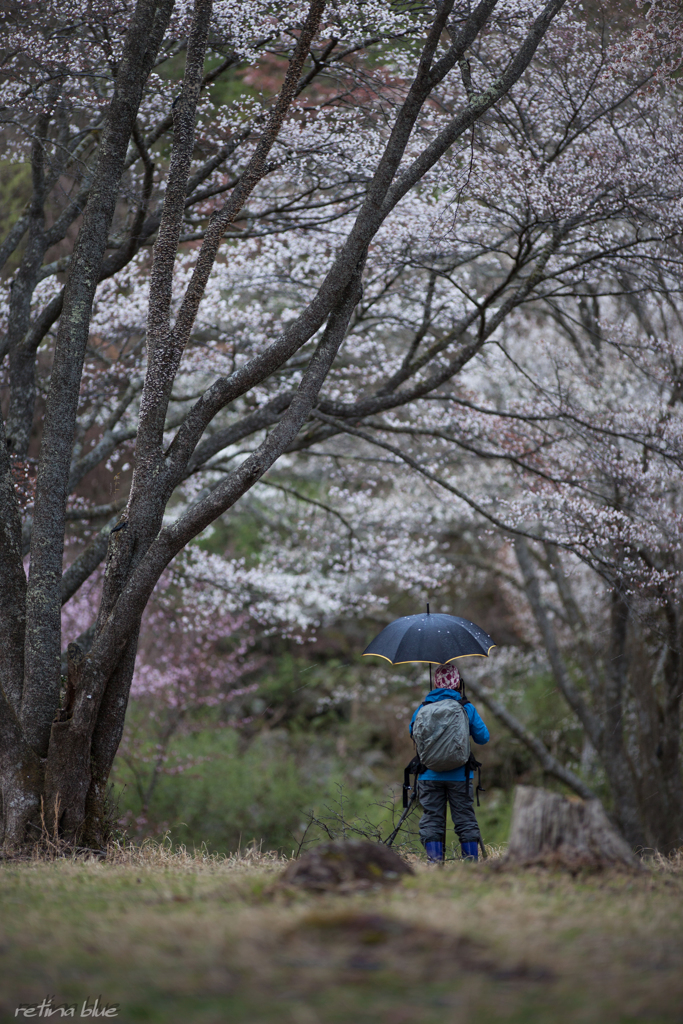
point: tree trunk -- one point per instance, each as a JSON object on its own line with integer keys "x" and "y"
{"x": 663, "y": 785}
{"x": 552, "y": 830}
{"x": 30, "y": 630}
{"x": 619, "y": 767}
{"x": 603, "y": 722}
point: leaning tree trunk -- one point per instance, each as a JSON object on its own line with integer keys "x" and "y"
{"x": 30, "y": 633}
{"x": 552, "y": 830}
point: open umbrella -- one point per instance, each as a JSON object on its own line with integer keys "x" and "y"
{"x": 433, "y": 639}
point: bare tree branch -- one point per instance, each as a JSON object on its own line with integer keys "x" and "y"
{"x": 549, "y": 763}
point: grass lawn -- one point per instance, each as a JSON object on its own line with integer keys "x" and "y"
{"x": 176, "y": 939}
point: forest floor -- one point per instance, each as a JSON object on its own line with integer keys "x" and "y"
{"x": 185, "y": 940}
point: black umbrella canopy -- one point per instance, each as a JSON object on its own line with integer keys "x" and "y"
{"x": 434, "y": 639}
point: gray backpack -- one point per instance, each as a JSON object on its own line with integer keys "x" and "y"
{"x": 442, "y": 735}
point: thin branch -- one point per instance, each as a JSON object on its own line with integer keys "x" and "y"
{"x": 96, "y": 511}
{"x": 310, "y": 501}
{"x": 574, "y": 698}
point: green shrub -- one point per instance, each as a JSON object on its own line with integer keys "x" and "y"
{"x": 224, "y": 796}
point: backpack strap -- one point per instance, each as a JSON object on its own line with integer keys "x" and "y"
{"x": 414, "y": 768}
{"x": 471, "y": 760}
{"x": 475, "y": 766}
{"x": 480, "y": 788}
{"x": 406, "y": 784}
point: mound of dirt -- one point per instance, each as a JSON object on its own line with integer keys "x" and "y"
{"x": 346, "y": 865}
{"x": 347, "y": 944}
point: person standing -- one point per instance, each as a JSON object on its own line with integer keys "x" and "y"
{"x": 436, "y": 789}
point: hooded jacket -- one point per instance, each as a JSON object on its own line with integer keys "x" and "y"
{"x": 478, "y": 732}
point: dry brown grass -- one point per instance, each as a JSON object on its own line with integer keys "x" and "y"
{"x": 658, "y": 862}
{"x": 163, "y": 854}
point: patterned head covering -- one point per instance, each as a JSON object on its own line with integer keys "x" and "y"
{"x": 447, "y": 676}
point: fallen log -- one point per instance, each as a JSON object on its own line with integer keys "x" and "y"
{"x": 555, "y": 831}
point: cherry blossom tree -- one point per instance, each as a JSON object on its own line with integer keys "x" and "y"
{"x": 603, "y": 580}
{"x": 415, "y": 181}
{"x": 573, "y": 466}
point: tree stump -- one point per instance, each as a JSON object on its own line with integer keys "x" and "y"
{"x": 552, "y": 830}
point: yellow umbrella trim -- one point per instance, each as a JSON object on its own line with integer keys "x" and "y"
{"x": 417, "y": 661}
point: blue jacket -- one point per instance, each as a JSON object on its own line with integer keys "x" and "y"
{"x": 478, "y": 732}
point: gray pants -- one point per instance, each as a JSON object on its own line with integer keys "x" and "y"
{"x": 433, "y": 795}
